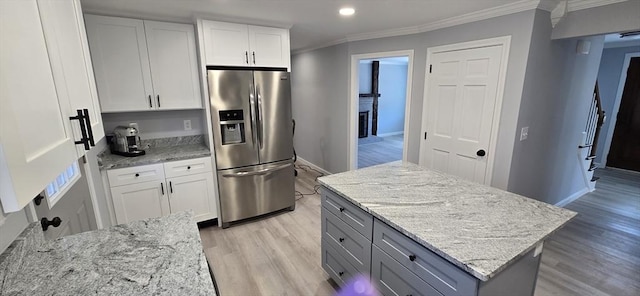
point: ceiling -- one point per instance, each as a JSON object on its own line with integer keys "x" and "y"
{"x": 313, "y": 22}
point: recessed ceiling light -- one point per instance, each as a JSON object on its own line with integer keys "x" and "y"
{"x": 347, "y": 11}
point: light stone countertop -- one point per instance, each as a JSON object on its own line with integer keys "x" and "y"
{"x": 159, "y": 256}
{"x": 158, "y": 151}
{"x": 478, "y": 228}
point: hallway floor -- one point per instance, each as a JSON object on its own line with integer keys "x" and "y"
{"x": 388, "y": 150}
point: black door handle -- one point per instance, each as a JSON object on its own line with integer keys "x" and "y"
{"x": 87, "y": 120}
{"x": 38, "y": 199}
{"x": 80, "y": 118}
{"x": 158, "y": 98}
{"x": 412, "y": 257}
{"x": 170, "y": 187}
{"x": 150, "y": 104}
{"x": 254, "y": 57}
{"x": 481, "y": 153}
{"x": 162, "y": 188}
{"x": 55, "y": 222}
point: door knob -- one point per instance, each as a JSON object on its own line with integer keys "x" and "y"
{"x": 55, "y": 222}
{"x": 481, "y": 153}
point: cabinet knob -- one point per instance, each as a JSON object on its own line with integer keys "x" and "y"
{"x": 412, "y": 257}
{"x": 341, "y": 273}
{"x": 341, "y": 239}
{"x": 481, "y": 153}
{"x": 38, "y": 199}
{"x": 341, "y": 209}
{"x": 189, "y": 167}
{"x": 137, "y": 175}
{"x": 55, "y": 222}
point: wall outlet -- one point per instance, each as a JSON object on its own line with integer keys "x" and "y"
{"x": 524, "y": 133}
{"x": 187, "y": 125}
{"x": 134, "y": 125}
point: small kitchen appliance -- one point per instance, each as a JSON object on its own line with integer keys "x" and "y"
{"x": 126, "y": 142}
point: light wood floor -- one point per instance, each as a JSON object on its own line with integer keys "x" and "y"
{"x": 380, "y": 152}
{"x": 596, "y": 254}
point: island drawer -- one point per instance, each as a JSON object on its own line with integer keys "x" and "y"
{"x": 392, "y": 278}
{"x": 445, "y": 277}
{"x": 335, "y": 265}
{"x": 355, "y": 217}
{"x": 354, "y": 247}
{"x": 137, "y": 174}
{"x": 187, "y": 167}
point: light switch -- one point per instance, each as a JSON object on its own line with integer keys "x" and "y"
{"x": 524, "y": 134}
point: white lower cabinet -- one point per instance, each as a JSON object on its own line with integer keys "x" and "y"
{"x": 143, "y": 192}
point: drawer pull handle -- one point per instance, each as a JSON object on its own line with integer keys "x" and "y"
{"x": 340, "y": 273}
{"x": 137, "y": 175}
{"x": 189, "y": 167}
{"x": 412, "y": 257}
{"x": 341, "y": 209}
{"x": 341, "y": 239}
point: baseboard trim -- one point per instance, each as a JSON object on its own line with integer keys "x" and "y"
{"x": 572, "y": 197}
{"x": 312, "y": 165}
{"x": 390, "y": 134}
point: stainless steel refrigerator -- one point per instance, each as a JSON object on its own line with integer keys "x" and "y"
{"x": 253, "y": 141}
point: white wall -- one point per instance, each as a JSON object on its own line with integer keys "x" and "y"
{"x": 555, "y": 101}
{"x": 157, "y": 124}
{"x": 619, "y": 17}
{"x": 316, "y": 64}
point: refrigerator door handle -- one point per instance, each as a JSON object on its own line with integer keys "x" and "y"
{"x": 260, "y": 122}
{"x": 252, "y": 111}
{"x": 256, "y": 173}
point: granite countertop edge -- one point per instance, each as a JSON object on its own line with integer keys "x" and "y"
{"x": 154, "y": 156}
{"x": 479, "y": 274}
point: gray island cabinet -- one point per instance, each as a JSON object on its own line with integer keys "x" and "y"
{"x": 419, "y": 232}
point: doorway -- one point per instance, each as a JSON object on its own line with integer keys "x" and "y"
{"x": 463, "y": 97}
{"x": 379, "y": 110}
{"x": 624, "y": 151}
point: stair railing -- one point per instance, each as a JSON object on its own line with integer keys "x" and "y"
{"x": 594, "y": 124}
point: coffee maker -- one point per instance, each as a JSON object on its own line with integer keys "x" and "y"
{"x": 126, "y": 142}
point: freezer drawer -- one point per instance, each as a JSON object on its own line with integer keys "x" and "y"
{"x": 255, "y": 190}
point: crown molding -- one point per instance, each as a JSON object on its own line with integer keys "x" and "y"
{"x": 574, "y": 5}
{"x": 522, "y": 5}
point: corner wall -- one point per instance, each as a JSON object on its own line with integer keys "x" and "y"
{"x": 613, "y": 18}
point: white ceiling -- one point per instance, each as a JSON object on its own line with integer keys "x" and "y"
{"x": 313, "y": 22}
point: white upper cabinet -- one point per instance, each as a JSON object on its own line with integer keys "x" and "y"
{"x": 65, "y": 36}
{"x": 143, "y": 65}
{"x": 36, "y": 141}
{"x": 174, "y": 65}
{"x": 269, "y": 47}
{"x": 228, "y": 44}
{"x": 121, "y": 63}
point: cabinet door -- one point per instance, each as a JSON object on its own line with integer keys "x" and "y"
{"x": 140, "y": 201}
{"x": 36, "y": 142}
{"x": 174, "y": 66}
{"x": 226, "y": 44}
{"x": 121, "y": 63}
{"x": 65, "y": 35}
{"x": 193, "y": 192}
{"x": 269, "y": 47}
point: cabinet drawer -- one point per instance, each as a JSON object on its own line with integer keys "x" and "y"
{"x": 447, "y": 278}
{"x": 187, "y": 167}
{"x": 138, "y": 174}
{"x": 355, "y": 217}
{"x": 394, "y": 279}
{"x": 335, "y": 265}
{"x": 354, "y": 247}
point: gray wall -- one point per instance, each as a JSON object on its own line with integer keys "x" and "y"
{"x": 619, "y": 17}
{"x": 393, "y": 87}
{"x": 319, "y": 87}
{"x": 11, "y": 225}
{"x": 608, "y": 80}
{"x": 317, "y": 70}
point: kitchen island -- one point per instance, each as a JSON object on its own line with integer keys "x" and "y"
{"x": 420, "y": 232}
{"x": 160, "y": 256}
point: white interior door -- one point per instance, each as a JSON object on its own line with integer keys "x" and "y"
{"x": 74, "y": 208}
{"x": 460, "y": 104}
{"x": 174, "y": 65}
